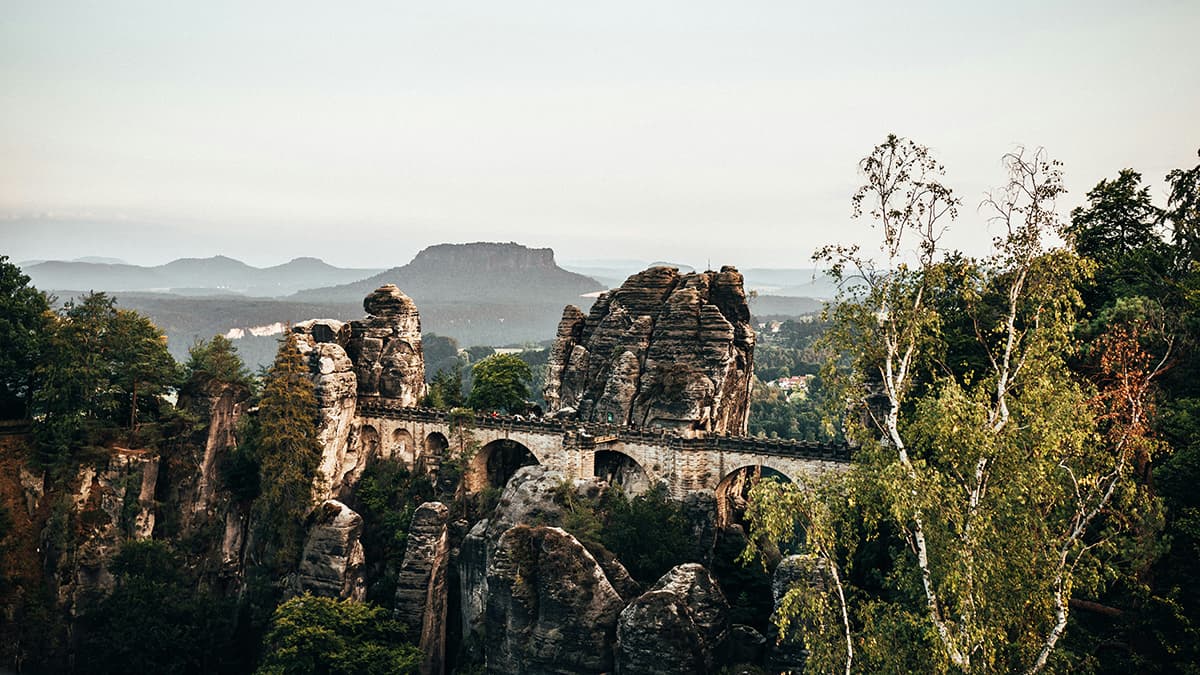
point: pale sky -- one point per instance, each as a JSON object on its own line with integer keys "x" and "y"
{"x": 695, "y": 131}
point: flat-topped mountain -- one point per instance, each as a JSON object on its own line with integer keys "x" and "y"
{"x": 475, "y": 272}
{"x": 218, "y": 273}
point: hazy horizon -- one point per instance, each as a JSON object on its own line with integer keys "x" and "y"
{"x": 697, "y": 132}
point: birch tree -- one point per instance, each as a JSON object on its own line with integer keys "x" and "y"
{"x": 1001, "y": 471}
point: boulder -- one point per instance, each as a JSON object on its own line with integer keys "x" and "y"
{"x": 745, "y": 646}
{"x": 678, "y": 626}
{"x": 665, "y": 349}
{"x": 529, "y": 497}
{"x": 550, "y": 607}
{"x": 332, "y": 562}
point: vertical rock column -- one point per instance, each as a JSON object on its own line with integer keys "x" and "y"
{"x": 386, "y": 348}
{"x": 421, "y": 591}
{"x": 664, "y": 349}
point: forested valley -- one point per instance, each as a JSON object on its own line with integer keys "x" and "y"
{"x": 1025, "y": 428}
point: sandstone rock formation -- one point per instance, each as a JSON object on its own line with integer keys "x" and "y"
{"x": 386, "y": 347}
{"x": 332, "y": 562}
{"x": 550, "y": 608}
{"x": 665, "y": 349}
{"x": 421, "y": 585}
{"x": 379, "y": 355}
{"x": 529, "y": 497}
{"x": 336, "y": 387}
{"x": 96, "y": 520}
{"x": 679, "y": 626}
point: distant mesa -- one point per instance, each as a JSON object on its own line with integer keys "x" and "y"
{"x": 471, "y": 272}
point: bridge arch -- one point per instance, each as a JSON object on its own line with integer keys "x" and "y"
{"x": 496, "y": 462}
{"x": 402, "y": 447}
{"x": 368, "y": 440}
{"x": 734, "y": 489}
{"x": 618, "y": 468}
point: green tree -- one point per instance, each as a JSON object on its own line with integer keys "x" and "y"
{"x": 101, "y": 367}
{"x": 215, "y": 363}
{"x": 501, "y": 382}
{"x": 23, "y": 322}
{"x": 648, "y": 533}
{"x": 139, "y": 362}
{"x": 445, "y": 390}
{"x": 1119, "y": 229}
{"x": 321, "y": 636}
{"x": 1003, "y": 482}
{"x": 155, "y": 621}
{"x": 288, "y": 454}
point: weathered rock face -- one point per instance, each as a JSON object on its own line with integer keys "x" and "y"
{"x": 529, "y": 497}
{"x": 97, "y": 523}
{"x": 385, "y": 348}
{"x": 421, "y": 585}
{"x": 550, "y": 608}
{"x": 332, "y": 562}
{"x": 678, "y": 626}
{"x": 700, "y": 511}
{"x": 336, "y": 387}
{"x": 664, "y": 349}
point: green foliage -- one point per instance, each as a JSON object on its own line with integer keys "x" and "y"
{"x": 648, "y": 533}
{"x": 1000, "y": 482}
{"x": 215, "y": 363}
{"x": 287, "y": 451}
{"x": 1118, "y": 228}
{"x": 818, "y": 508}
{"x": 803, "y": 417}
{"x": 445, "y": 390}
{"x": 103, "y": 369}
{"x": 154, "y": 621}
{"x": 501, "y": 382}
{"x": 311, "y": 635}
{"x": 386, "y": 497}
{"x": 23, "y": 321}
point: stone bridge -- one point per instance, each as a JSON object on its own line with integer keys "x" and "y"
{"x": 635, "y": 458}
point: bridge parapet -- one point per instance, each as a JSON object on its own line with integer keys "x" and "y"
{"x": 588, "y": 433}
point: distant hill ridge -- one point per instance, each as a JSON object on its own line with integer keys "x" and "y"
{"x": 470, "y": 273}
{"x": 219, "y": 273}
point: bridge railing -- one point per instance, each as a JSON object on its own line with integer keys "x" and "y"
{"x": 587, "y": 431}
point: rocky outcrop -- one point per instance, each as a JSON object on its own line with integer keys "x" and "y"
{"x": 700, "y": 513}
{"x": 421, "y": 585}
{"x": 665, "y": 349}
{"x": 386, "y": 348}
{"x": 529, "y": 497}
{"x": 679, "y": 626}
{"x": 332, "y": 562}
{"x": 87, "y": 530}
{"x": 224, "y": 408}
{"x": 336, "y": 387}
{"x": 379, "y": 355}
{"x": 550, "y": 607}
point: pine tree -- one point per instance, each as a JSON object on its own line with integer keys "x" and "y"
{"x": 288, "y": 453}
